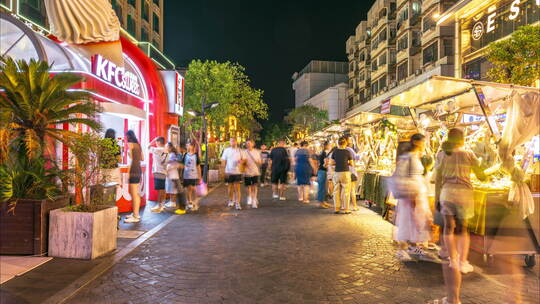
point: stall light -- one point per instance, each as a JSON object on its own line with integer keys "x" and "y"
{"x": 436, "y": 15}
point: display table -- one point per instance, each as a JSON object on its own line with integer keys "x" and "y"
{"x": 375, "y": 188}
{"x": 499, "y": 229}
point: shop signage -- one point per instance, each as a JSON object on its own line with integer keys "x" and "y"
{"x": 507, "y": 12}
{"x": 385, "y": 106}
{"x": 179, "y": 108}
{"x": 115, "y": 75}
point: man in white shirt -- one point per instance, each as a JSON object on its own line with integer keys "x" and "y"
{"x": 251, "y": 176}
{"x": 231, "y": 161}
{"x": 159, "y": 170}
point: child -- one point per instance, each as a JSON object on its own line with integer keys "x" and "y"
{"x": 192, "y": 175}
{"x": 171, "y": 181}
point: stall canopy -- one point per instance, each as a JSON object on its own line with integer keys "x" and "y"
{"x": 365, "y": 118}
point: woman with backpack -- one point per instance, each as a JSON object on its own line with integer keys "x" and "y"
{"x": 413, "y": 218}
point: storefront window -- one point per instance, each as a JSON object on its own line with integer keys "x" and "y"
{"x": 155, "y": 23}
{"x": 5, "y": 3}
{"x": 132, "y": 3}
{"x": 430, "y": 53}
{"x": 144, "y": 8}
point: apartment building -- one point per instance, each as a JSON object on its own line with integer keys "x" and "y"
{"x": 142, "y": 19}
{"x": 405, "y": 46}
{"x": 316, "y": 77}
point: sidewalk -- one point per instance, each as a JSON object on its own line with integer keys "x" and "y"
{"x": 45, "y": 281}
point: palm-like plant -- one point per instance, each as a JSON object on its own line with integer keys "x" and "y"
{"x": 33, "y": 102}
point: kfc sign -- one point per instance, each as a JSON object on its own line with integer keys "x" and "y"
{"x": 179, "y": 94}
{"x": 115, "y": 75}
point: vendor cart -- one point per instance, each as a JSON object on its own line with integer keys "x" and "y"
{"x": 506, "y": 220}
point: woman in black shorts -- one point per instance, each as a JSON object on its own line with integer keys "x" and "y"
{"x": 135, "y": 172}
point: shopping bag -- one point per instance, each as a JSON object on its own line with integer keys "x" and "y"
{"x": 202, "y": 189}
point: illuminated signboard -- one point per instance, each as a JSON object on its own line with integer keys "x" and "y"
{"x": 179, "y": 108}
{"x": 115, "y": 75}
{"x": 500, "y": 20}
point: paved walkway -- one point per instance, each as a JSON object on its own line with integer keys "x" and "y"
{"x": 283, "y": 252}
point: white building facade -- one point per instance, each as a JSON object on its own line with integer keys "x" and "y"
{"x": 333, "y": 100}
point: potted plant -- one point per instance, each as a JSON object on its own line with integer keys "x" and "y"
{"x": 84, "y": 230}
{"x": 32, "y": 102}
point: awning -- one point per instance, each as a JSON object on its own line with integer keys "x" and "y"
{"x": 123, "y": 110}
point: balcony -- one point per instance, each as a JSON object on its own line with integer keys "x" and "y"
{"x": 350, "y": 92}
{"x": 427, "y": 4}
{"x": 383, "y": 69}
{"x": 436, "y": 32}
{"x": 383, "y": 21}
{"x": 402, "y": 55}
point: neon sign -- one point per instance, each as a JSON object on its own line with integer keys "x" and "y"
{"x": 115, "y": 75}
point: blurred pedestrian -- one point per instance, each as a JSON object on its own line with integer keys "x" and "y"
{"x": 172, "y": 181}
{"x": 414, "y": 217}
{"x": 279, "y": 165}
{"x": 342, "y": 159}
{"x": 303, "y": 172}
{"x": 135, "y": 172}
{"x": 322, "y": 172}
{"x": 191, "y": 175}
{"x": 454, "y": 166}
{"x": 252, "y": 173}
{"x": 354, "y": 174}
{"x": 265, "y": 154}
{"x": 232, "y": 161}
{"x": 157, "y": 148}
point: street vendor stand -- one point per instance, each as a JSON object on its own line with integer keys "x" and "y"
{"x": 376, "y": 137}
{"x": 502, "y": 126}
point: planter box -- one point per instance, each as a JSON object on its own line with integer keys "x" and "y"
{"x": 26, "y": 230}
{"x": 82, "y": 235}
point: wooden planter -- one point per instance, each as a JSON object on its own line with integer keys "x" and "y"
{"x": 82, "y": 235}
{"x": 26, "y": 230}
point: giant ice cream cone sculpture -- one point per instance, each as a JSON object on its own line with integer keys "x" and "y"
{"x": 91, "y": 26}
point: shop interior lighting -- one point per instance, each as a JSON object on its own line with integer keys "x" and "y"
{"x": 436, "y": 16}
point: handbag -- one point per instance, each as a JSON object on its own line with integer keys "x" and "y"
{"x": 201, "y": 189}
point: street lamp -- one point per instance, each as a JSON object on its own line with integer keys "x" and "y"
{"x": 204, "y": 107}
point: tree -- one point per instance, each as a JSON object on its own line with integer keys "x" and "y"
{"x": 516, "y": 60}
{"x": 227, "y": 84}
{"x": 34, "y": 102}
{"x": 274, "y": 132}
{"x": 306, "y": 119}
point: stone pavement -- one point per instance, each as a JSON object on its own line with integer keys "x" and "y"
{"x": 283, "y": 252}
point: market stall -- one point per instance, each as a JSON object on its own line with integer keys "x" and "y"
{"x": 501, "y": 123}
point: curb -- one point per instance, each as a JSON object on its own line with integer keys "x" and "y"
{"x": 73, "y": 288}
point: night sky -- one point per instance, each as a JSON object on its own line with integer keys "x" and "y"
{"x": 271, "y": 39}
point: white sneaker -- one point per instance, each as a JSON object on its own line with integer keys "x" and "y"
{"x": 403, "y": 256}
{"x": 249, "y": 201}
{"x": 170, "y": 205}
{"x": 282, "y": 198}
{"x": 466, "y": 267}
{"x": 230, "y": 203}
{"x": 130, "y": 219}
{"x": 275, "y": 196}
{"x": 255, "y": 204}
{"x": 238, "y": 207}
{"x": 157, "y": 209}
{"x": 190, "y": 205}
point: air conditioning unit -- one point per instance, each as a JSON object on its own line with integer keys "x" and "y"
{"x": 417, "y": 72}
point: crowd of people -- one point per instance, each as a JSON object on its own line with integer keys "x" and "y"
{"x": 331, "y": 170}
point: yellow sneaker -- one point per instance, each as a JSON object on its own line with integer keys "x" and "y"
{"x": 180, "y": 211}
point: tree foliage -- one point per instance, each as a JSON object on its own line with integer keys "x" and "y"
{"x": 516, "y": 60}
{"x": 306, "y": 119}
{"x": 227, "y": 84}
{"x": 274, "y": 132}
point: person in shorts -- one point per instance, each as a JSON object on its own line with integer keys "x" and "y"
{"x": 231, "y": 161}
{"x": 265, "y": 154}
{"x": 280, "y": 165}
{"x": 173, "y": 178}
{"x": 157, "y": 148}
{"x": 191, "y": 175}
{"x": 251, "y": 175}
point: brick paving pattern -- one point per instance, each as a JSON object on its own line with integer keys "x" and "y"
{"x": 283, "y": 252}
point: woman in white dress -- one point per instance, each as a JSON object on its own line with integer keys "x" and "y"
{"x": 414, "y": 217}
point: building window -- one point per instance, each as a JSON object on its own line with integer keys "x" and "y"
{"x": 448, "y": 47}
{"x": 382, "y": 59}
{"x": 382, "y": 83}
{"x": 402, "y": 71}
{"x": 132, "y": 3}
{"x": 416, "y": 39}
{"x": 144, "y": 34}
{"x": 118, "y": 10}
{"x": 155, "y": 23}
{"x": 156, "y": 2}
{"x": 428, "y": 23}
{"x": 430, "y": 53}
{"x": 416, "y": 9}
{"x": 402, "y": 16}
{"x": 131, "y": 25}
{"x": 383, "y": 35}
{"x": 374, "y": 87}
{"x": 34, "y": 10}
{"x": 374, "y": 65}
{"x": 403, "y": 43}
{"x": 144, "y": 8}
